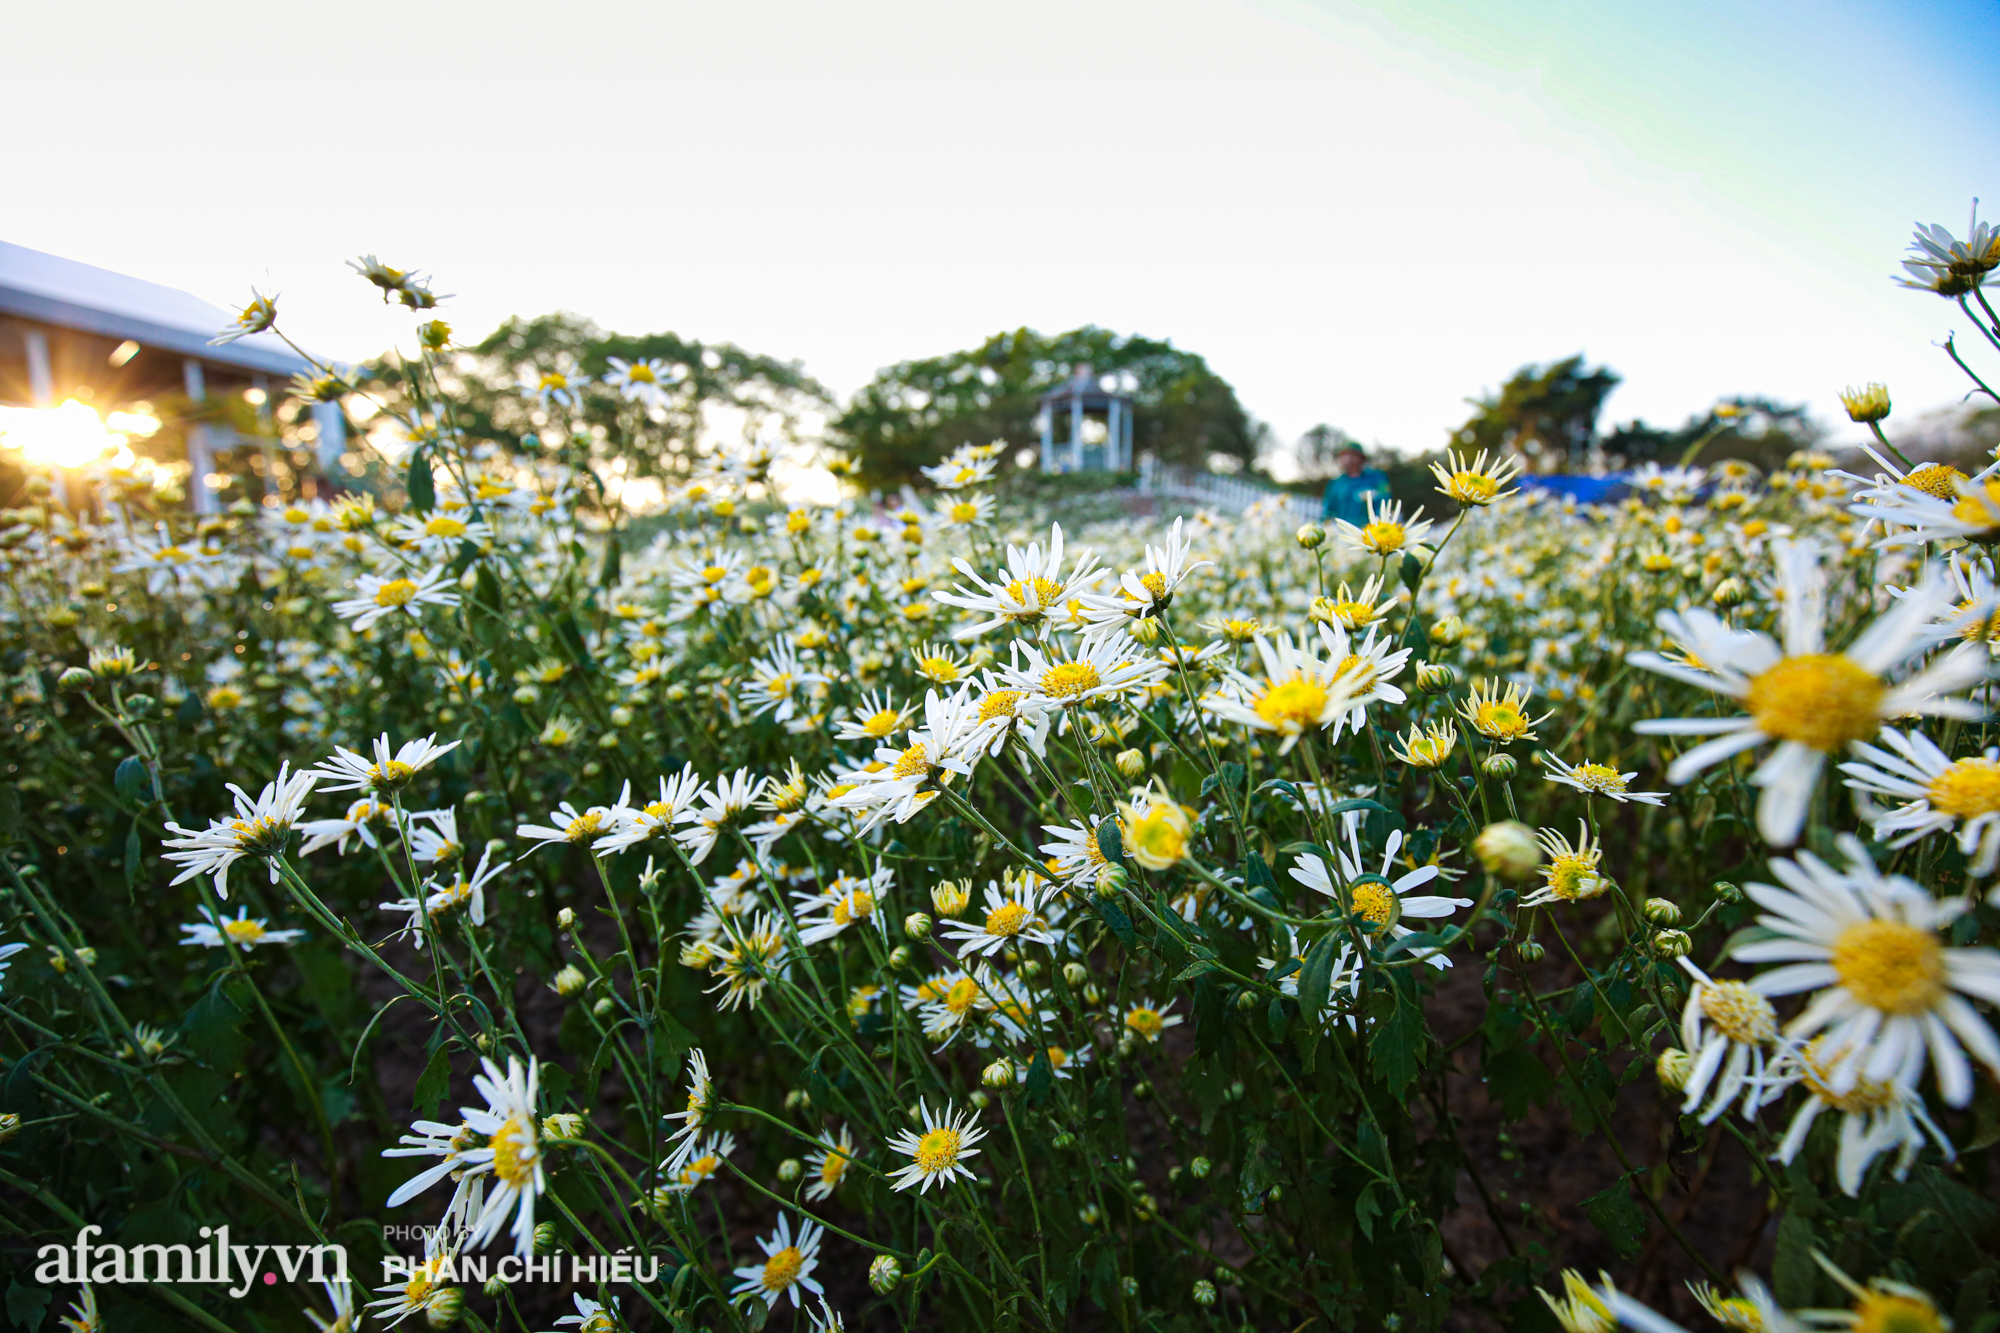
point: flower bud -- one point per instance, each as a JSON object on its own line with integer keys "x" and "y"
{"x": 790, "y": 1170}
{"x": 949, "y": 896}
{"x": 495, "y": 1286}
{"x": 603, "y": 1007}
{"x": 1111, "y": 881}
{"x": 1204, "y": 1292}
{"x": 562, "y": 1125}
{"x": 1673, "y": 1068}
{"x": 999, "y": 1074}
{"x": 1508, "y": 849}
{"x": 484, "y": 1041}
{"x": 1311, "y": 537}
{"x": 1531, "y": 951}
{"x": 1089, "y": 1214}
{"x": 565, "y": 919}
{"x": 1246, "y": 1000}
{"x": 917, "y": 925}
{"x": 1075, "y": 973}
{"x": 621, "y": 716}
{"x": 526, "y": 694}
{"x": 1142, "y": 1092}
{"x": 1672, "y": 944}
{"x": 1730, "y": 592}
{"x": 1725, "y": 892}
{"x": 10, "y": 1125}
{"x": 1661, "y": 912}
{"x": 1498, "y": 766}
{"x": 1867, "y": 404}
{"x": 1200, "y": 1167}
{"x": 570, "y": 981}
{"x": 545, "y": 1238}
{"x": 979, "y": 1100}
{"x": 1435, "y": 677}
{"x": 798, "y": 1099}
{"x": 442, "y": 1308}
{"x": 1145, "y": 631}
{"x": 899, "y": 956}
{"x": 1092, "y": 995}
{"x": 139, "y": 705}
{"x": 1130, "y": 1286}
{"x": 883, "y": 1274}
{"x": 1129, "y": 763}
{"x": 74, "y": 680}
{"x": 1448, "y": 632}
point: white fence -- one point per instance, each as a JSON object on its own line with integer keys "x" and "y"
{"x": 1216, "y": 490}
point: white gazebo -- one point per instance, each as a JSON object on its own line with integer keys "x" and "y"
{"x": 74, "y": 331}
{"x": 1099, "y": 414}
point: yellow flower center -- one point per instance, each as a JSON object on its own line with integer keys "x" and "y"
{"x": 1980, "y": 509}
{"x": 393, "y": 774}
{"x": 243, "y": 931}
{"x": 1357, "y": 671}
{"x": 940, "y": 669}
{"x": 1822, "y": 700}
{"x": 961, "y": 995}
{"x": 1158, "y": 838}
{"x": 1429, "y": 752}
{"x": 1938, "y": 479}
{"x": 915, "y": 762}
{"x": 779, "y": 685}
{"x": 1034, "y": 595}
{"x": 1154, "y": 583}
{"x": 1006, "y": 919}
{"x": 1070, "y": 679}
{"x": 442, "y": 525}
{"x": 937, "y": 1151}
{"x": 260, "y": 835}
{"x": 514, "y": 1154}
{"x": 396, "y": 592}
{"x": 1741, "y": 1014}
{"x": 1895, "y": 1312}
{"x": 1354, "y": 615}
{"x": 584, "y": 826}
{"x": 855, "y": 905}
{"x": 1146, "y": 1022}
{"x": 1599, "y": 777}
{"x": 1292, "y": 705}
{"x": 1500, "y": 720}
{"x": 965, "y": 511}
{"x": 781, "y": 1270}
{"x": 1382, "y": 538}
{"x": 1968, "y": 789}
{"x": 642, "y": 374}
{"x": 1058, "y": 1057}
{"x": 1474, "y": 488}
{"x": 832, "y": 1169}
{"x": 1573, "y": 877}
{"x": 1375, "y": 902}
{"x": 1891, "y": 966}
{"x": 222, "y": 698}
{"x": 999, "y": 703}
{"x": 1866, "y": 1095}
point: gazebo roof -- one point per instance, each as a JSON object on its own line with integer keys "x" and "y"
{"x": 53, "y": 290}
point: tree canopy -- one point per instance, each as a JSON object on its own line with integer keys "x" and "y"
{"x": 914, "y": 413}
{"x": 1548, "y": 413}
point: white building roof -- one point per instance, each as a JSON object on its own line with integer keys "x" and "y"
{"x": 65, "y": 293}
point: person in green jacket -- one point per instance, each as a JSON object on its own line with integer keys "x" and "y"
{"x": 1348, "y": 494}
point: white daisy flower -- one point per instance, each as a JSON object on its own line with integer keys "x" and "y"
{"x": 1364, "y": 670}
{"x": 777, "y": 681}
{"x": 788, "y": 1265}
{"x": 1937, "y": 792}
{"x": 1811, "y": 701}
{"x": 960, "y": 470}
{"x": 632, "y": 825}
{"x": 1384, "y": 905}
{"x": 220, "y": 932}
{"x": 439, "y": 844}
{"x": 828, "y": 1164}
{"x": 1148, "y": 1021}
{"x": 877, "y": 719}
{"x": 1387, "y": 532}
{"x": 1013, "y": 917}
{"x": 441, "y": 896}
{"x": 425, "y": 1289}
{"x": 642, "y": 381}
{"x": 1887, "y": 986}
{"x": 567, "y": 824}
{"x": 376, "y": 597}
{"x": 555, "y": 388}
{"x": 1097, "y": 669}
{"x": 1876, "y": 1116}
{"x": 348, "y": 771}
{"x": 937, "y": 1156}
{"x": 346, "y": 1316}
{"x": 713, "y": 811}
{"x": 702, "y": 1163}
{"x": 367, "y": 820}
{"x": 261, "y": 828}
{"x": 1075, "y": 856}
{"x": 850, "y": 899}
{"x": 7, "y": 951}
{"x": 1027, "y": 592}
{"x": 1598, "y": 780}
{"x": 701, "y": 1100}
{"x": 1300, "y": 692}
{"x": 1570, "y": 871}
{"x": 503, "y": 1147}
{"x": 904, "y": 781}
{"x": 438, "y": 533}
{"x": 1726, "y": 1026}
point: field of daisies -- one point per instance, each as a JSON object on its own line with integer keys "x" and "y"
{"x": 919, "y": 914}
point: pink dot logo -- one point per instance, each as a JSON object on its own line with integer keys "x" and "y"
{"x": 270, "y": 1279}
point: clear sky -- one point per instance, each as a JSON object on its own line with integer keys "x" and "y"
{"x": 1359, "y": 213}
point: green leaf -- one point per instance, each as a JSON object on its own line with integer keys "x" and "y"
{"x": 1231, "y": 776}
{"x": 614, "y": 557}
{"x": 417, "y": 482}
{"x": 1109, "y": 843}
{"x": 1200, "y": 967}
{"x": 1397, "y": 1043}
{"x": 434, "y": 1084}
{"x": 1315, "y": 979}
{"x": 132, "y": 854}
{"x": 1114, "y": 917}
{"x": 1614, "y": 1212}
{"x": 1041, "y": 1077}
{"x": 1366, "y": 1210}
{"x": 1794, "y": 1274}
{"x": 130, "y": 779}
{"x": 1413, "y": 571}
{"x": 1515, "y": 1078}
{"x": 27, "y": 1306}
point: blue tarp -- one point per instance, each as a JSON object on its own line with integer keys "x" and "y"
{"x": 1584, "y": 490}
